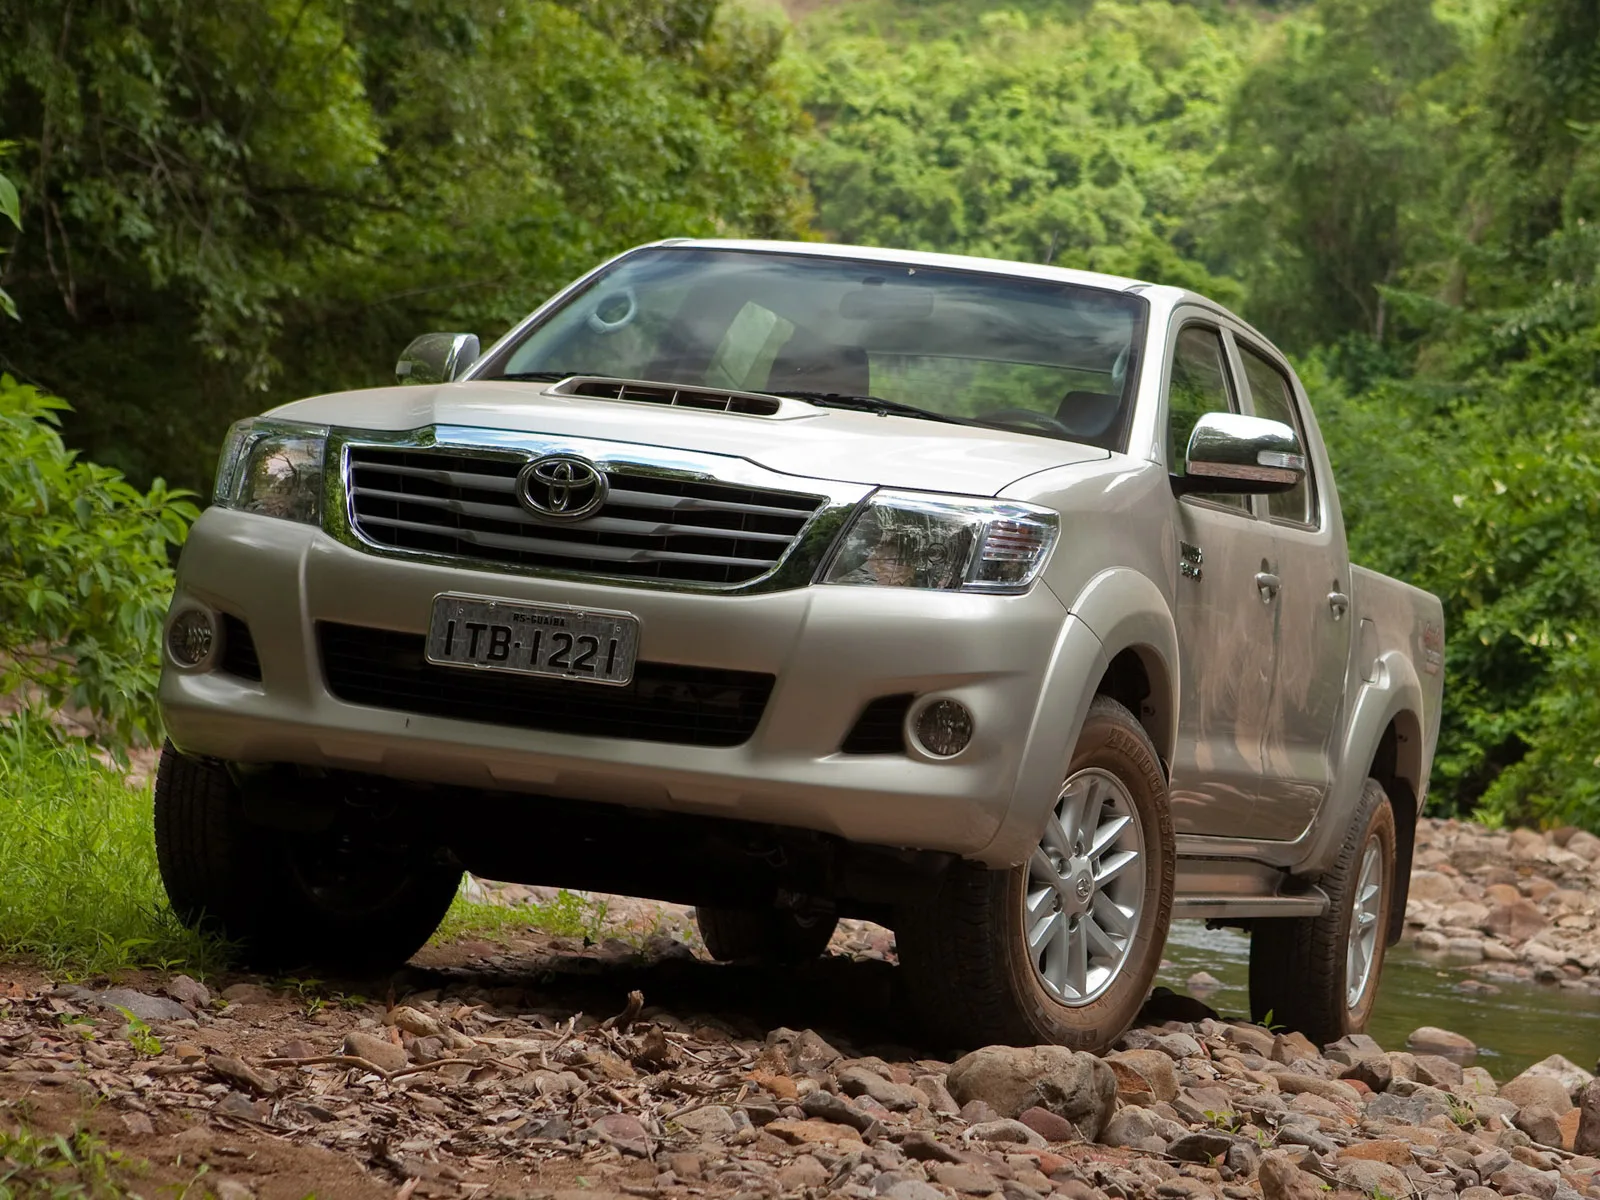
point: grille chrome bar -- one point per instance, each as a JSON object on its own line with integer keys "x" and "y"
{"x": 506, "y": 541}
{"x": 658, "y": 523}
{"x": 497, "y": 512}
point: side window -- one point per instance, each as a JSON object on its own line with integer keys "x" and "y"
{"x": 1274, "y": 399}
{"x": 1199, "y": 386}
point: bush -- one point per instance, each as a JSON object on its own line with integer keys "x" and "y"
{"x": 84, "y": 578}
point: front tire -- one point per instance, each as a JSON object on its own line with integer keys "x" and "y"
{"x": 354, "y": 897}
{"x": 772, "y": 935}
{"x": 1319, "y": 975}
{"x": 1061, "y": 949}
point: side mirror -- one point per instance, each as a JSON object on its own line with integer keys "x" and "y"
{"x": 1239, "y": 455}
{"x": 437, "y": 357}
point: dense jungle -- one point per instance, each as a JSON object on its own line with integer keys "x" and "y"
{"x": 209, "y": 208}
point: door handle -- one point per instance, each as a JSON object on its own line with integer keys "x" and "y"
{"x": 1267, "y": 584}
{"x": 1339, "y": 603}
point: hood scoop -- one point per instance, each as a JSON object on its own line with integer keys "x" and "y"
{"x": 638, "y": 391}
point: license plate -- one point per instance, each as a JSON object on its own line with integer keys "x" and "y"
{"x": 533, "y": 639}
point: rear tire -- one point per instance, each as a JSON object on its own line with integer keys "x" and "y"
{"x": 355, "y": 897}
{"x": 774, "y": 935}
{"x": 1319, "y": 975}
{"x": 1061, "y": 949}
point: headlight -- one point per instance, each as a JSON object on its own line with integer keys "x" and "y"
{"x": 903, "y": 539}
{"x": 273, "y": 468}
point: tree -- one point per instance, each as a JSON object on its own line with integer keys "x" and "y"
{"x": 263, "y": 198}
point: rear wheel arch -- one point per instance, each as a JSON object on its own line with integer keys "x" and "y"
{"x": 1397, "y": 766}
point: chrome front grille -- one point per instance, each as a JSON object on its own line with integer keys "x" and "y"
{"x": 660, "y": 526}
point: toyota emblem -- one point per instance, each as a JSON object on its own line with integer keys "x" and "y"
{"x": 561, "y": 487}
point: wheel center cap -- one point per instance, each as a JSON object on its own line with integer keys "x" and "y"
{"x": 1076, "y": 888}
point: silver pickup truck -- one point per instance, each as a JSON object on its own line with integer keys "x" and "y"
{"x": 1003, "y": 604}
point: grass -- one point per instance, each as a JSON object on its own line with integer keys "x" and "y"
{"x": 43, "y": 1166}
{"x": 82, "y": 894}
{"x": 568, "y": 915}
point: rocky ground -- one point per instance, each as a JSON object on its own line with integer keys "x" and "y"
{"x": 1515, "y": 905}
{"x": 533, "y": 1065}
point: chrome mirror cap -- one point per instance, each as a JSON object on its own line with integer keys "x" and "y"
{"x": 1236, "y": 454}
{"x": 437, "y": 357}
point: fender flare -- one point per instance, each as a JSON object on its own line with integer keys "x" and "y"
{"x": 1132, "y": 614}
{"x": 1395, "y": 691}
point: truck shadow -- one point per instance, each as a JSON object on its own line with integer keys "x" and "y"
{"x": 856, "y": 1003}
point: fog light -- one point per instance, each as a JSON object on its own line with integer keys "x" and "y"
{"x": 944, "y": 728}
{"x": 191, "y": 637}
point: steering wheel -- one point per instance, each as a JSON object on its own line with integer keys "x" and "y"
{"x": 1004, "y": 416}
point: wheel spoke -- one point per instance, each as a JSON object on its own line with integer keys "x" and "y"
{"x": 1113, "y": 866}
{"x": 1068, "y": 820}
{"x": 1077, "y": 951}
{"x": 1089, "y": 813}
{"x": 1039, "y": 902}
{"x": 1041, "y": 932}
{"x": 1108, "y": 832}
{"x": 1101, "y": 944}
{"x": 1041, "y": 870}
{"x": 1113, "y": 916}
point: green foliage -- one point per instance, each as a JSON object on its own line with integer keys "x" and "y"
{"x": 1326, "y": 187}
{"x": 11, "y": 210}
{"x": 137, "y": 1032}
{"x": 77, "y": 852}
{"x": 569, "y": 914}
{"x": 43, "y": 1166}
{"x": 84, "y": 580}
{"x": 270, "y": 197}
{"x": 1082, "y": 144}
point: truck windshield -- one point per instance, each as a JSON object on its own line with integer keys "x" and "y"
{"x": 1036, "y": 356}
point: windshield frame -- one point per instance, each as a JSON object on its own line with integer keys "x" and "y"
{"x": 502, "y": 351}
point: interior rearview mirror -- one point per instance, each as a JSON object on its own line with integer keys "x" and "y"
{"x": 1238, "y": 455}
{"x": 437, "y": 357}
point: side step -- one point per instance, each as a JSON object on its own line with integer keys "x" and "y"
{"x": 1309, "y": 904}
{"x": 1226, "y": 888}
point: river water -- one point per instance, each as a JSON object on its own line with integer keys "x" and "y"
{"x": 1522, "y": 1024}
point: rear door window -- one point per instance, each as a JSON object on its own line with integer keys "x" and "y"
{"x": 1273, "y": 398}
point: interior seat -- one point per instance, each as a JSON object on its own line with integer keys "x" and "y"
{"x": 1093, "y": 417}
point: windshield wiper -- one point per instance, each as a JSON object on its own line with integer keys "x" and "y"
{"x": 872, "y": 404}
{"x": 533, "y": 376}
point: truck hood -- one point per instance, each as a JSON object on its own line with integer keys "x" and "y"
{"x": 819, "y": 443}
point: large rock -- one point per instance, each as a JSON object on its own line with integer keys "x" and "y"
{"x": 1134, "y": 1127}
{"x": 1281, "y": 1179}
{"x": 1011, "y": 1079}
{"x": 1432, "y": 885}
{"x": 1531, "y": 1089}
{"x": 1371, "y": 1177}
{"x": 1564, "y": 1071}
{"x": 1430, "y": 1039}
{"x": 1144, "y": 1076}
{"x": 1540, "y": 1123}
{"x": 1515, "y": 921}
{"x": 1587, "y": 1140}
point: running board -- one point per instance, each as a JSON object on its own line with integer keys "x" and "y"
{"x": 1225, "y": 888}
{"x": 1190, "y": 908}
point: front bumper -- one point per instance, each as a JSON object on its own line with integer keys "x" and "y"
{"x": 831, "y": 649}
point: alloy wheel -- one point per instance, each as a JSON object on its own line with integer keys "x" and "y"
{"x": 1085, "y": 888}
{"x": 1366, "y": 908}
